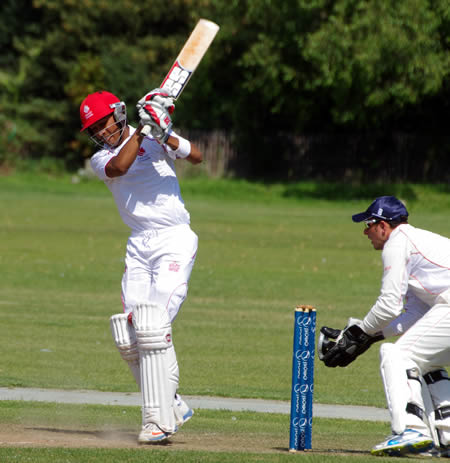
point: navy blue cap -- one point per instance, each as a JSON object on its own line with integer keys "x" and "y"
{"x": 384, "y": 208}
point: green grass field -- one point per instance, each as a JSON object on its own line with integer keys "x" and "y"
{"x": 262, "y": 250}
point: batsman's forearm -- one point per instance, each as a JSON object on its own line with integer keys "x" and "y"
{"x": 119, "y": 165}
{"x": 173, "y": 142}
{"x": 196, "y": 156}
{"x": 193, "y": 155}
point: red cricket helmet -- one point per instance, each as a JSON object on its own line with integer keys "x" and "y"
{"x": 98, "y": 105}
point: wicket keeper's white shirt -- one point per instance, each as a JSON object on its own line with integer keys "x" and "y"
{"x": 416, "y": 275}
{"x": 148, "y": 196}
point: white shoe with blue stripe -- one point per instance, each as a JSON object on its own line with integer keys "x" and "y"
{"x": 183, "y": 413}
{"x": 410, "y": 441}
{"x": 151, "y": 433}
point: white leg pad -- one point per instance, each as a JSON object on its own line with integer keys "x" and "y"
{"x": 429, "y": 407}
{"x": 439, "y": 392}
{"x": 159, "y": 369}
{"x": 400, "y": 391}
{"x": 125, "y": 339}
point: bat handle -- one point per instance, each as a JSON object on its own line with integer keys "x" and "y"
{"x": 146, "y": 130}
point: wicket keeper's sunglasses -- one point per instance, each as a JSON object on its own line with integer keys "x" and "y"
{"x": 369, "y": 222}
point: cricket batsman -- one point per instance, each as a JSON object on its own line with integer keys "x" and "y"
{"x": 414, "y": 304}
{"x": 137, "y": 165}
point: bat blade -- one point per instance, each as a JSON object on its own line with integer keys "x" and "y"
{"x": 189, "y": 57}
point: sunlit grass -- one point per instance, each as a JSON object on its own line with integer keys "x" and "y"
{"x": 61, "y": 260}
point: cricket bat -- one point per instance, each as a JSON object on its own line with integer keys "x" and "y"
{"x": 189, "y": 57}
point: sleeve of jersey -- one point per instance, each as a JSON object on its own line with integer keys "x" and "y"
{"x": 394, "y": 285}
{"x": 413, "y": 310}
{"x": 99, "y": 161}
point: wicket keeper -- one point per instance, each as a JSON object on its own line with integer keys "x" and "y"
{"x": 414, "y": 304}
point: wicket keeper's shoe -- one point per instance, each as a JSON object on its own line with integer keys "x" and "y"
{"x": 183, "y": 412}
{"x": 152, "y": 434}
{"x": 444, "y": 451}
{"x": 409, "y": 441}
{"x": 439, "y": 452}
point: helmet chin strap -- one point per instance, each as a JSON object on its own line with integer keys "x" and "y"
{"x": 122, "y": 131}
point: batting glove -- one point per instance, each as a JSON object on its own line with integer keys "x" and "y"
{"x": 154, "y": 110}
{"x": 159, "y": 96}
{"x": 155, "y": 120}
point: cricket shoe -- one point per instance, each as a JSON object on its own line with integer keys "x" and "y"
{"x": 151, "y": 433}
{"x": 183, "y": 413}
{"x": 409, "y": 441}
{"x": 443, "y": 452}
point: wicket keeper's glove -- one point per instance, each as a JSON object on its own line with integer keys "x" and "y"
{"x": 338, "y": 348}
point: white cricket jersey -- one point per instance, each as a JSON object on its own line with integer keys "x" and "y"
{"x": 148, "y": 196}
{"x": 416, "y": 268}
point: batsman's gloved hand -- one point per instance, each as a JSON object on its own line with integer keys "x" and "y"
{"x": 159, "y": 96}
{"x": 154, "y": 110}
{"x": 339, "y": 348}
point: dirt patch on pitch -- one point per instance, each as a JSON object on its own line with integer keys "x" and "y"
{"x": 35, "y": 436}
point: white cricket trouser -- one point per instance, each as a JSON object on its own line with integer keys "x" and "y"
{"x": 425, "y": 347}
{"x": 158, "y": 265}
{"x": 427, "y": 342}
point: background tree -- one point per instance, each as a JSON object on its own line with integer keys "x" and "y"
{"x": 276, "y": 70}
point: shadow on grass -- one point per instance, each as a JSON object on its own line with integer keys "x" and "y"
{"x": 324, "y": 451}
{"x": 111, "y": 435}
{"x": 341, "y": 191}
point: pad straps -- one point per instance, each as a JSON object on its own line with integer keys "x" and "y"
{"x": 435, "y": 376}
{"x": 414, "y": 410}
{"x": 442, "y": 413}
